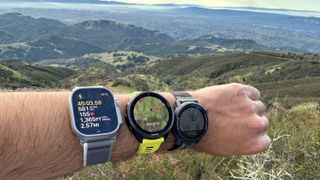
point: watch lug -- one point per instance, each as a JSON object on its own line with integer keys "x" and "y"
{"x": 178, "y": 102}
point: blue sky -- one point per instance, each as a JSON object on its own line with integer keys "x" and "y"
{"x": 279, "y": 4}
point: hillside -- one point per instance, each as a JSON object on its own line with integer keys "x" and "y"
{"x": 32, "y": 39}
{"x": 22, "y": 28}
{"x": 17, "y": 74}
{"x": 296, "y": 76}
{"x": 48, "y": 48}
{"x": 276, "y": 75}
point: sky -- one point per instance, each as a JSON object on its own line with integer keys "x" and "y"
{"x": 311, "y": 5}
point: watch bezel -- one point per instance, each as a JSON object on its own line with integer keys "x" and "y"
{"x": 94, "y": 137}
{"x": 176, "y": 129}
{"x": 136, "y": 129}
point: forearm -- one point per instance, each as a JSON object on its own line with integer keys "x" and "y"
{"x": 36, "y": 139}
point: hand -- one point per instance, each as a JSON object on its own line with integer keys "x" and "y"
{"x": 237, "y": 121}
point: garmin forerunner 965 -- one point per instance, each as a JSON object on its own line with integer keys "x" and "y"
{"x": 191, "y": 121}
{"x": 150, "y": 117}
{"x": 95, "y": 119}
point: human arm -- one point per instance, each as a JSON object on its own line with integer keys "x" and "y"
{"x": 36, "y": 139}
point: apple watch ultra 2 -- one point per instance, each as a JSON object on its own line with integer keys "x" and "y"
{"x": 191, "y": 121}
{"x": 95, "y": 119}
{"x": 150, "y": 117}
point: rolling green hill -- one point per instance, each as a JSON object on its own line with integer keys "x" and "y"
{"x": 122, "y": 60}
{"x": 17, "y": 74}
{"x": 276, "y": 75}
{"x": 22, "y": 28}
{"x": 33, "y": 39}
{"x": 48, "y": 48}
{"x": 295, "y": 76}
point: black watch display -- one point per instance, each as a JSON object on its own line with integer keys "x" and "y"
{"x": 191, "y": 121}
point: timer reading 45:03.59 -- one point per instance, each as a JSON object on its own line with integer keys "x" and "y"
{"x": 86, "y": 111}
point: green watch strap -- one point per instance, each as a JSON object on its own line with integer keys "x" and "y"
{"x": 150, "y": 145}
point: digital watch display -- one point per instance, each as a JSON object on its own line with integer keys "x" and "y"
{"x": 150, "y": 117}
{"x": 94, "y": 112}
{"x": 191, "y": 121}
{"x": 95, "y": 119}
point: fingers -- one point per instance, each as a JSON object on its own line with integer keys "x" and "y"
{"x": 259, "y": 124}
{"x": 260, "y": 108}
{"x": 246, "y": 90}
{"x": 265, "y": 120}
{"x": 252, "y": 92}
{"x": 260, "y": 144}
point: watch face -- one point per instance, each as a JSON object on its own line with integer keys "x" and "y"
{"x": 151, "y": 114}
{"x": 192, "y": 122}
{"x": 94, "y": 111}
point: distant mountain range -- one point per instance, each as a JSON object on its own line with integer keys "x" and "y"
{"x": 274, "y": 28}
{"x": 34, "y": 39}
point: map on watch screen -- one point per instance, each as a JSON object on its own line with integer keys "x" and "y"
{"x": 151, "y": 114}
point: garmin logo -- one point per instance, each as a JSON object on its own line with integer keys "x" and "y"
{"x": 155, "y": 134}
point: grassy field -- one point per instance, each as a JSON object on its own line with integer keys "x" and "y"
{"x": 294, "y": 154}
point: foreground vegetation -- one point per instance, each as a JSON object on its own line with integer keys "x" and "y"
{"x": 294, "y": 154}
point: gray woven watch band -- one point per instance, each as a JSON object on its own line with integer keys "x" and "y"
{"x": 182, "y": 96}
{"x": 97, "y": 152}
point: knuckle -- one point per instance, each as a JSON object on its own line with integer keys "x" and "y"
{"x": 241, "y": 90}
{"x": 261, "y": 106}
{"x": 249, "y": 107}
{"x": 258, "y": 125}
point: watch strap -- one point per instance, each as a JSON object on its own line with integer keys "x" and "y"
{"x": 181, "y": 97}
{"x": 150, "y": 145}
{"x": 181, "y": 145}
{"x": 97, "y": 152}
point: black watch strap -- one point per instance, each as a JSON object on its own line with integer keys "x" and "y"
{"x": 181, "y": 97}
{"x": 178, "y": 144}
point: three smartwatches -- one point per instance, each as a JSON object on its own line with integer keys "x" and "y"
{"x": 96, "y": 119}
{"x": 191, "y": 121}
{"x": 150, "y": 117}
